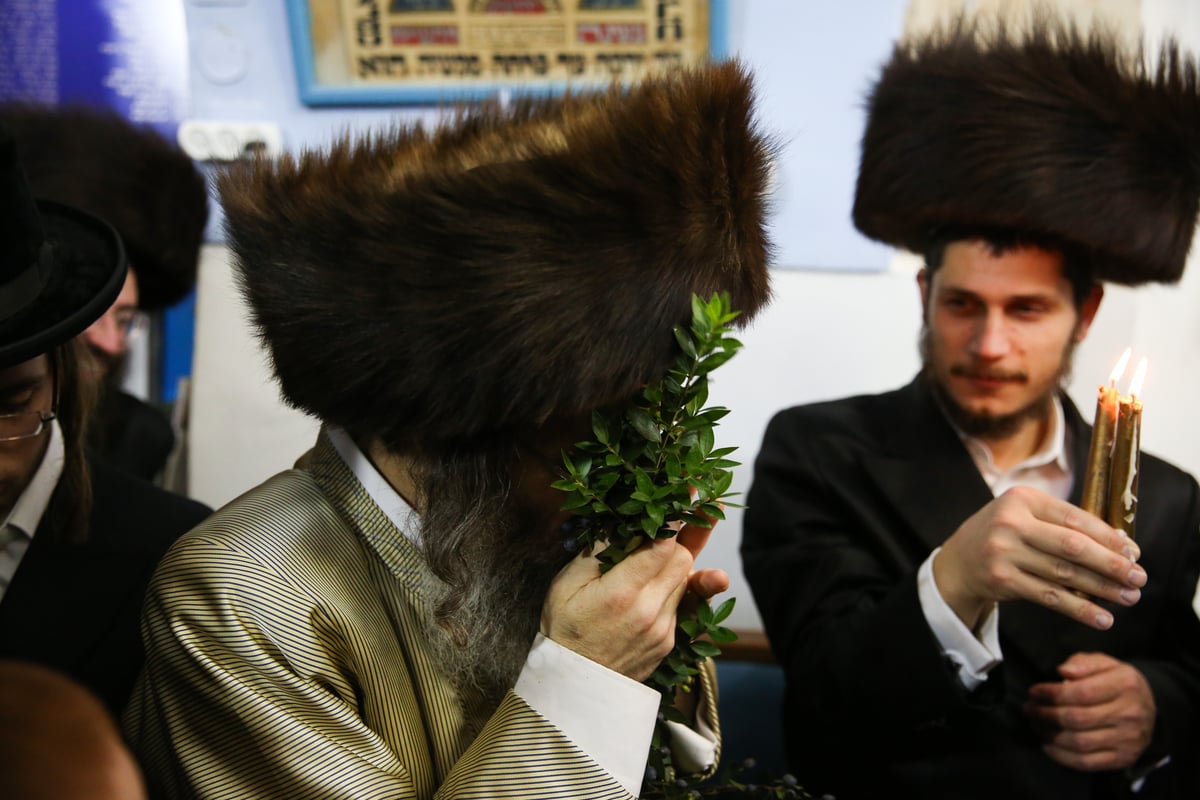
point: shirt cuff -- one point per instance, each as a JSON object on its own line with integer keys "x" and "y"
{"x": 974, "y": 656}
{"x": 607, "y": 715}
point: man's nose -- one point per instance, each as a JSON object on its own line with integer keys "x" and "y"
{"x": 992, "y": 338}
{"x": 106, "y": 336}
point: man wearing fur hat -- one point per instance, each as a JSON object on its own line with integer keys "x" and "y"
{"x": 150, "y": 191}
{"x": 883, "y": 531}
{"x": 398, "y": 616}
{"x": 78, "y": 540}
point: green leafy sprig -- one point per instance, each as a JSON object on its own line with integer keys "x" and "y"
{"x": 652, "y": 464}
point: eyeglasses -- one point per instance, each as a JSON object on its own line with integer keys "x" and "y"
{"x": 132, "y": 323}
{"x": 24, "y": 424}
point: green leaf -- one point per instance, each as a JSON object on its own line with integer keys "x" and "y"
{"x": 722, "y": 612}
{"x": 574, "y": 502}
{"x": 673, "y": 467}
{"x": 717, "y": 359}
{"x": 644, "y": 484}
{"x": 722, "y": 635}
{"x": 600, "y": 427}
{"x": 631, "y": 507}
{"x": 685, "y": 342}
{"x": 721, "y": 463}
{"x": 656, "y": 512}
{"x": 705, "y": 649}
{"x": 649, "y": 526}
{"x": 644, "y": 424}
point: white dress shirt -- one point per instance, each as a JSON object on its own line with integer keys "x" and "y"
{"x": 26, "y": 515}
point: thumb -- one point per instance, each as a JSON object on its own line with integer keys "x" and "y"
{"x": 1081, "y": 665}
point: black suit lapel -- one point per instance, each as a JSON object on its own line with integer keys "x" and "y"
{"x": 924, "y": 469}
{"x": 61, "y": 600}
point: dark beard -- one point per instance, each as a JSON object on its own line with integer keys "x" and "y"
{"x": 991, "y": 426}
{"x": 495, "y": 561}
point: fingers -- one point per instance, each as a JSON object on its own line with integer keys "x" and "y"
{"x": 1088, "y": 761}
{"x": 1101, "y": 717}
{"x": 1069, "y": 558}
{"x": 1081, "y": 665}
{"x": 1059, "y": 546}
{"x": 1051, "y": 717}
{"x": 694, "y": 537}
{"x": 660, "y": 561}
{"x": 706, "y": 583}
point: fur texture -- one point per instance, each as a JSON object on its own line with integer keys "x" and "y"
{"x": 141, "y": 184}
{"x": 1043, "y": 130}
{"x": 435, "y": 285}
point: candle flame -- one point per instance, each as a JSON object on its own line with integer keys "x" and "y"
{"x": 1135, "y": 386}
{"x": 1119, "y": 369}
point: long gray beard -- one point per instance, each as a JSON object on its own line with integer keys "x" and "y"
{"x": 485, "y": 646}
{"x": 493, "y": 571}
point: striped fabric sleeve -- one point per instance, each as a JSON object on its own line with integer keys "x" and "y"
{"x": 224, "y": 710}
{"x": 248, "y": 694}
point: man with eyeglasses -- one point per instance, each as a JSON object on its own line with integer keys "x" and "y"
{"x": 150, "y": 191}
{"x": 78, "y": 540}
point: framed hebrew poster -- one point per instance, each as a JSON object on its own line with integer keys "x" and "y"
{"x": 351, "y": 52}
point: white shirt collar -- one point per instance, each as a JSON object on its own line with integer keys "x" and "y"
{"x": 1048, "y": 469}
{"x": 388, "y": 499}
{"x": 31, "y": 505}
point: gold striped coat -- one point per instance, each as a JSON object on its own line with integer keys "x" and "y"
{"x": 286, "y": 658}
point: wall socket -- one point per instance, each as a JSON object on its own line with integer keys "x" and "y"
{"x": 220, "y": 141}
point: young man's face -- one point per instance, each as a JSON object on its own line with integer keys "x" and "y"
{"x": 999, "y": 333}
{"x": 108, "y": 337}
{"x": 24, "y": 388}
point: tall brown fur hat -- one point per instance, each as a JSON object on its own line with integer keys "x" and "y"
{"x": 1043, "y": 129}
{"x": 129, "y": 175}
{"x": 516, "y": 265}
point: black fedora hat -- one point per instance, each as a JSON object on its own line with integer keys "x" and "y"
{"x": 60, "y": 269}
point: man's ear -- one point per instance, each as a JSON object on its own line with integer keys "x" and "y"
{"x": 1087, "y": 311}
{"x": 923, "y": 283}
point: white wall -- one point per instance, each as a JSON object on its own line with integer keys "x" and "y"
{"x": 827, "y": 333}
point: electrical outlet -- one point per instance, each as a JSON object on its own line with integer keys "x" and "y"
{"x": 216, "y": 140}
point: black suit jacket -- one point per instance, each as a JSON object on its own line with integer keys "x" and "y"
{"x": 77, "y": 607}
{"x": 849, "y": 498}
{"x": 132, "y": 435}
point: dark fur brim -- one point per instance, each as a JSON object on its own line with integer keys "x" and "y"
{"x": 144, "y": 186}
{"x": 513, "y": 266}
{"x": 1047, "y": 131}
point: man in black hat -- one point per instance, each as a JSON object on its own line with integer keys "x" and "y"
{"x": 950, "y": 622}
{"x": 78, "y": 541}
{"x": 150, "y": 191}
{"x": 400, "y": 616}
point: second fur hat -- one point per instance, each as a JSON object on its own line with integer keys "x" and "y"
{"x": 1044, "y": 130}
